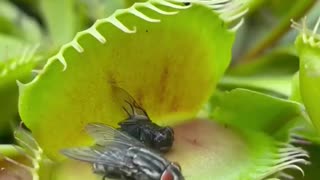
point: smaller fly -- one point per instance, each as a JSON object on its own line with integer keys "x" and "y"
{"x": 139, "y": 125}
{"x": 119, "y": 156}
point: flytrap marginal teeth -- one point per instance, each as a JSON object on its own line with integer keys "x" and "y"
{"x": 113, "y": 20}
{"x": 29, "y": 148}
{"x": 158, "y": 10}
{"x": 231, "y": 11}
{"x": 309, "y": 36}
{"x": 28, "y": 56}
{"x": 287, "y": 157}
{"x": 139, "y": 14}
{"x": 96, "y": 34}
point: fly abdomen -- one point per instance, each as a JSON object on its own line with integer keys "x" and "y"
{"x": 148, "y": 162}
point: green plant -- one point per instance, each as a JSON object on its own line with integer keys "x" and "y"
{"x": 240, "y": 121}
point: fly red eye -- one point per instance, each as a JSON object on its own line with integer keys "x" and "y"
{"x": 167, "y": 175}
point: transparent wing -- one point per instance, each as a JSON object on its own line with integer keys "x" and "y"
{"x": 116, "y": 157}
{"x": 111, "y": 138}
{"x": 82, "y": 154}
{"x": 128, "y": 103}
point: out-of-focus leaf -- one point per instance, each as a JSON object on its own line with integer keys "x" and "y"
{"x": 131, "y": 2}
{"x": 8, "y": 108}
{"x": 6, "y": 26}
{"x": 11, "y": 71}
{"x": 295, "y": 89}
{"x": 205, "y": 149}
{"x": 30, "y": 7}
{"x": 270, "y": 74}
{"x": 312, "y": 170}
{"x": 10, "y": 47}
{"x": 97, "y": 9}
{"x": 9, "y": 170}
{"x": 256, "y": 111}
{"x": 267, "y": 25}
{"x": 275, "y": 85}
{"x": 279, "y": 62}
{"x": 304, "y": 128}
{"x": 25, "y": 159}
{"x": 10, "y": 161}
{"x": 278, "y": 117}
{"x": 161, "y": 64}
{"x": 8, "y": 150}
{"x": 18, "y": 24}
{"x": 308, "y": 47}
{"x": 60, "y": 18}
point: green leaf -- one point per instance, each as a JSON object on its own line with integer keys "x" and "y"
{"x": 9, "y": 158}
{"x": 97, "y": 9}
{"x": 307, "y": 44}
{"x": 279, "y": 62}
{"x": 312, "y": 171}
{"x": 11, "y": 71}
{"x": 224, "y": 152}
{"x": 11, "y": 47}
{"x": 252, "y": 110}
{"x": 161, "y": 64}
{"x": 274, "y": 85}
{"x": 271, "y": 73}
{"x": 205, "y": 149}
{"x": 295, "y": 89}
{"x": 24, "y": 160}
{"x": 17, "y": 24}
{"x": 256, "y": 111}
{"x": 60, "y": 19}
{"x": 8, "y": 110}
{"x": 275, "y": 15}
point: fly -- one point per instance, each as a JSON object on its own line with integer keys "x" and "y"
{"x": 116, "y": 155}
{"x": 139, "y": 125}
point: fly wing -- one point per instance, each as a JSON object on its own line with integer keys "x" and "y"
{"x": 92, "y": 155}
{"x": 111, "y": 148}
{"x": 83, "y": 154}
{"x": 109, "y": 137}
{"x": 128, "y": 103}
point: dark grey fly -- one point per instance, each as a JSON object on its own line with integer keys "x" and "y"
{"x": 140, "y": 126}
{"x": 116, "y": 155}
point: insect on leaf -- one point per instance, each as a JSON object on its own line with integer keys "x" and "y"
{"x": 160, "y": 51}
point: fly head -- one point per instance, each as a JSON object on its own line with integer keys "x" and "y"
{"x": 164, "y": 139}
{"x": 172, "y": 172}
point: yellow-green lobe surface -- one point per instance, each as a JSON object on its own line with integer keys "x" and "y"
{"x": 170, "y": 67}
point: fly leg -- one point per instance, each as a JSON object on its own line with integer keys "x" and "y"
{"x": 131, "y": 107}
{"x": 106, "y": 177}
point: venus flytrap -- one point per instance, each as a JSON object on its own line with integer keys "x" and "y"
{"x": 270, "y": 138}
{"x": 308, "y": 47}
{"x": 119, "y": 49}
{"x": 27, "y": 150}
{"x": 12, "y": 70}
{"x": 169, "y": 55}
